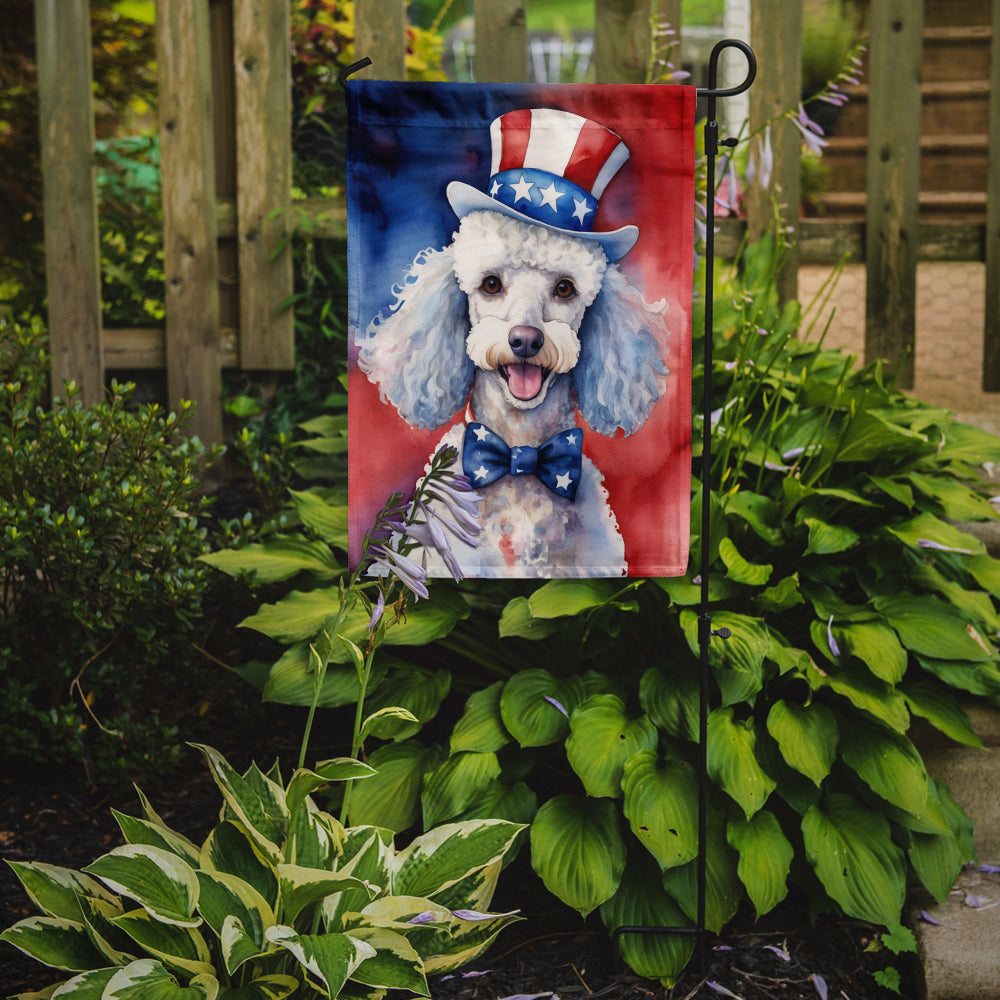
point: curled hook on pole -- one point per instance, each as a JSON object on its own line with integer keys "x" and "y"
{"x": 349, "y": 70}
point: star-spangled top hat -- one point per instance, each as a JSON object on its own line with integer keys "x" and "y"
{"x": 550, "y": 167}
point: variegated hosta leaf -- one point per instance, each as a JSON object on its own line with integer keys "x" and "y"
{"x": 765, "y": 858}
{"x": 141, "y": 831}
{"x": 230, "y": 849}
{"x": 850, "y": 847}
{"x": 515, "y": 803}
{"x": 54, "y": 941}
{"x": 475, "y": 891}
{"x": 723, "y": 889}
{"x": 86, "y": 986}
{"x": 807, "y": 736}
{"x": 535, "y": 706}
{"x": 304, "y": 782}
{"x": 224, "y": 897}
{"x": 456, "y": 784}
{"x": 602, "y": 737}
{"x": 274, "y": 987}
{"x": 329, "y": 959}
{"x": 732, "y": 760}
{"x": 158, "y": 880}
{"x": 256, "y": 801}
{"x": 300, "y": 887}
{"x": 578, "y": 851}
{"x": 481, "y": 727}
{"x": 367, "y": 853}
{"x": 315, "y": 838}
{"x": 395, "y": 964}
{"x": 888, "y": 763}
{"x": 391, "y": 799}
{"x": 441, "y": 857}
{"x": 98, "y": 915}
{"x": 642, "y": 902}
{"x": 56, "y": 891}
{"x": 466, "y": 941}
{"x": 661, "y": 805}
{"x": 149, "y": 980}
{"x": 177, "y": 947}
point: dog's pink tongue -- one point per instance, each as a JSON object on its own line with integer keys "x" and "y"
{"x": 525, "y": 381}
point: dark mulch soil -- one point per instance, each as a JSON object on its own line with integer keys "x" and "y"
{"x": 551, "y": 951}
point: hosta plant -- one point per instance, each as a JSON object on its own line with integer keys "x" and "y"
{"x": 279, "y": 900}
{"x": 856, "y": 603}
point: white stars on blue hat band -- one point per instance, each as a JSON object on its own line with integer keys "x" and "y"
{"x": 545, "y": 197}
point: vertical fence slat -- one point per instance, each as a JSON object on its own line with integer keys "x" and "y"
{"x": 776, "y": 35}
{"x": 190, "y": 254}
{"x": 72, "y": 257}
{"x": 991, "y": 332}
{"x": 380, "y": 34}
{"x": 261, "y": 57}
{"x": 892, "y": 216}
{"x": 621, "y": 40}
{"x": 501, "y": 41}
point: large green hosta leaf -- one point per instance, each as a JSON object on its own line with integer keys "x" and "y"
{"x": 279, "y": 558}
{"x": 670, "y": 698}
{"x": 723, "y": 889}
{"x": 739, "y": 569}
{"x": 888, "y": 763}
{"x": 642, "y": 902}
{"x": 481, "y": 728}
{"x": 391, "y": 798}
{"x": 732, "y": 760}
{"x": 456, "y": 784}
{"x": 765, "y": 858}
{"x": 738, "y": 661}
{"x": 415, "y": 689}
{"x": 601, "y": 739}
{"x": 941, "y": 709}
{"x": 932, "y": 628}
{"x": 578, "y": 851}
{"x": 559, "y": 598}
{"x": 876, "y": 646}
{"x": 850, "y": 848}
{"x": 535, "y": 706}
{"x": 661, "y": 806}
{"x": 807, "y": 736}
{"x": 926, "y": 528}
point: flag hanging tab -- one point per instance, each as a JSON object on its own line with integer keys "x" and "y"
{"x": 520, "y": 284}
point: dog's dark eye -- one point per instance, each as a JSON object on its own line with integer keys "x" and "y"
{"x": 492, "y": 285}
{"x": 565, "y": 289}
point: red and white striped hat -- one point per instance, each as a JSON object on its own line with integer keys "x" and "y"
{"x": 550, "y": 167}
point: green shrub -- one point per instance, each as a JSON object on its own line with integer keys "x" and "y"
{"x": 101, "y": 584}
{"x": 279, "y": 900}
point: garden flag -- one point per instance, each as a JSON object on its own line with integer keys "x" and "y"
{"x": 520, "y": 278}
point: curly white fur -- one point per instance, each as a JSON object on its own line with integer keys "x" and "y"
{"x": 525, "y": 324}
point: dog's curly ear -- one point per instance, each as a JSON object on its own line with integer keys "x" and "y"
{"x": 415, "y": 350}
{"x": 620, "y": 374}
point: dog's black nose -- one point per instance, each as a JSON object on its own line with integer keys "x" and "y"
{"x": 525, "y": 341}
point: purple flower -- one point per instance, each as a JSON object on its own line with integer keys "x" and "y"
{"x": 780, "y": 952}
{"x": 411, "y": 574}
{"x": 558, "y": 705}
{"x": 831, "y": 642}
{"x": 427, "y": 917}
{"x": 760, "y": 165}
{"x": 811, "y": 132}
{"x": 820, "y": 983}
{"x": 927, "y": 543}
{"x": 475, "y": 915}
{"x": 719, "y": 988}
{"x": 377, "y": 612}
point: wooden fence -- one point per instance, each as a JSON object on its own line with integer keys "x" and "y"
{"x": 226, "y": 160}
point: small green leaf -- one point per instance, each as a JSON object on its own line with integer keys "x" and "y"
{"x": 888, "y": 763}
{"x": 559, "y": 598}
{"x": 670, "y": 698}
{"x": 517, "y": 620}
{"x": 765, "y": 858}
{"x": 535, "y": 706}
{"x": 828, "y": 539}
{"x": 456, "y": 784}
{"x": 279, "y": 558}
{"x": 330, "y": 958}
{"x": 391, "y": 798}
{"x": 739, "y": 569}
{"x": 930, "y": 627}
{"x": 807, "y": 736}
{"x": 481, "y": 727}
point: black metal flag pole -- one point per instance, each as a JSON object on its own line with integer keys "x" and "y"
{"x": 705, "y": 631}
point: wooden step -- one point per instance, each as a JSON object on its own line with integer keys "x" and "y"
{"x": 957, "y": 206}
{"x": 944, "y": 104}
{"x": 947, "y": 162}
{"x": 956, "y": 53}
{"x": 945, "y": 12}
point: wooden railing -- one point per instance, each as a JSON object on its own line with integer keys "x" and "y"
{"x": 226, "y": 161}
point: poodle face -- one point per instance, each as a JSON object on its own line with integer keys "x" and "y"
{"x": 528, "y": 289}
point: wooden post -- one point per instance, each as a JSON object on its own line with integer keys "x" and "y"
{"x": 262, "y": 61}
{"x": 72, "y": 255}
{"x": 776, "y": 35}
{"x": 190, "y": 254}
{"x": 501, "y": 41}
{"x": 892, "y": 214}
{"x": 991, "y": 333}
{"x": 622, "y": 40}
{"x": 380, "y": 34}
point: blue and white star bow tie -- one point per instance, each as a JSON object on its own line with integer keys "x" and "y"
{"x": 486, "y": 457}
